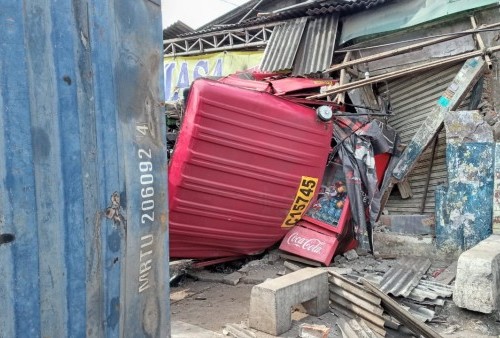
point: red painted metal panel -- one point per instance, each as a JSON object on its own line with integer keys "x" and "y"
{"x": 236, "y": 169}
{"x": 310, "y": 244}
{"x": 320, "y": 241}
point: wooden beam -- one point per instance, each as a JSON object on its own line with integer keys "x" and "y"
{"x": 359, "y": 311}
{"x": 343, "y": 79}
{"x": 358, "y": 290}
{"x": 429, "y": 172}
{"x": 406, "y": 48}
{"x": 480, "y": 42}
{"x": 399, "y": 73}
{"x": 338, "y": 291}
{"x": 450, "y": 100}
{"x": 393, "y": 308}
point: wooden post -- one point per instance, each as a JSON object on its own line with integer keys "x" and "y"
{"x": 340, "y": 99}
{"x": 480, "y": 43}
{"x": 451, "y": 98}
{"x": 429, "y": 172}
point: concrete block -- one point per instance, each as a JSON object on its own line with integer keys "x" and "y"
{"x": 232, "y": 278}
{"x": 477, "y": 284}
{"x": 271, "y": 301}
{"x": 351, "y": 255}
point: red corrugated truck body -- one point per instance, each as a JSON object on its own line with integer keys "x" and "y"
{"x": 235, "y": 173}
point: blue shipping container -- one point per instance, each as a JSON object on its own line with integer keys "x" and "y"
{"x": 83, "y": 190}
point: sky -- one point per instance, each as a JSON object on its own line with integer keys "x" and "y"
{"x": 195, "y": 13}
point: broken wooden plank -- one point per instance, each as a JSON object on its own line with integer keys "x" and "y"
{"x": 405, "y": 49}
{"x": 369, "y": 316}
{"x": 355, "y": 329}
{"x": 337, "y": 291}
{"x": 238, "y": 331}
{"x": 480, "y": 42}
{"x": 338, "y": 309}
{"x": 448, "y": 275}
{"x": 450, "y": 100}
{"x": 404, "y": 72}
{"x": 393, "y": 308}
{"x": 354, "y": 288}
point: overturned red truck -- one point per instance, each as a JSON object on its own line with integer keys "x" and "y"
{"x": 253, "y": 164}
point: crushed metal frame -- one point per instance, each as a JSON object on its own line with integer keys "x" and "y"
{"x": 256, "y": 36}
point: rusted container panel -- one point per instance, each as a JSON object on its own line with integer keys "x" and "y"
{"x": 83, "y": 216}
{"x": 244, "y": 160}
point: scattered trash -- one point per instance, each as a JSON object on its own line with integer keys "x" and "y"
{"x": 232, "y": 278}
{"x": 313, "y": 331}
{"x": 452, "y": 329}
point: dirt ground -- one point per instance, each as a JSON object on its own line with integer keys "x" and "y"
{"x": 205, "y": 299}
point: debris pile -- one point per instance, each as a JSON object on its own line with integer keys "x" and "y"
{"x": 352, "y": 300}
{"x": 366, "y": 298}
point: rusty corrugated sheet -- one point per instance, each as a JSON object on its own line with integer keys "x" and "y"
{"x": 404, "y": 276}
{"x": 316, "y": 49}
{"x": 283, "y": 45}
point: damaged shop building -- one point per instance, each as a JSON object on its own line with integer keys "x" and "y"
{"x": 428, "y": 69}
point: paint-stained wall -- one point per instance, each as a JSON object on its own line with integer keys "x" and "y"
{"x": 83, "y": 207}
{"x": 464, "y": 208}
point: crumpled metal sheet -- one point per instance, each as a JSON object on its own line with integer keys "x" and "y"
{"x": 430, "y": 290}
{"x": 404, "y": 276}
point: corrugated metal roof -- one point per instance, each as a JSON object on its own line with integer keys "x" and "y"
{"x": 404, "y": 276}
{"x": 283, "y": 45}
{"x": 342, "y": 6}
{"x": 316, "y": 49}
{"x": 313, "y": 8}
{"x": 176, "y": 29}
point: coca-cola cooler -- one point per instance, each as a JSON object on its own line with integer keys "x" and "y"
{"x": 326, "y": 229}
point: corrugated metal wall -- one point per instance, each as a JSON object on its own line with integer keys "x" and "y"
{"x": 412, "y": 99}
{"x": 83, "y": 211}
{"x": 283, "y": 45}
{"x": 316, "y": 48}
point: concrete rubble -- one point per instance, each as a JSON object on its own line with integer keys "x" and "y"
{"x": 352, "y": 309}
{"x": 477, "y": 285}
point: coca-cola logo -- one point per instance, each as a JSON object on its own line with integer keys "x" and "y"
{"x": 313, "y": 245}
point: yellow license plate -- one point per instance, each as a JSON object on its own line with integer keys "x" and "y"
{"x": 305, "y": 193}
